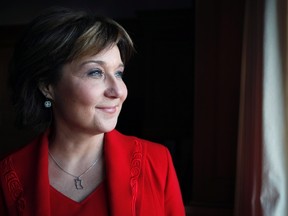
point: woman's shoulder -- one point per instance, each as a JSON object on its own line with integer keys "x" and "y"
{"x": 155, "y": 157}
{"x": 148, "y": 144}
{"x": 20, "y": 154}
{"x": 151, "y": 146}
{"x": 150, "y": 149}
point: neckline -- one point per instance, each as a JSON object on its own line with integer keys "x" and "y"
{"x": 100, "y": 187}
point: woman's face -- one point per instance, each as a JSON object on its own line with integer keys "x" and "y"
{"x": 89, "y": 96}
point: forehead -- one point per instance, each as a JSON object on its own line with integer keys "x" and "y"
{"x": 94, "y": 49}
{"x": 110, "y": 55}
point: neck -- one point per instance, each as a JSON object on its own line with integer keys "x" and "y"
{"x": 72, "y": 148}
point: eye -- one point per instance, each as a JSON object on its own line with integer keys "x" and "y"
{"x": 119, "y": 74}
{"x": 97, "y": 73}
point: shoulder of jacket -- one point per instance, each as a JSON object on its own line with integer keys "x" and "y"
{"x": 147, "y": 145}
{"x": 20, "y": 154}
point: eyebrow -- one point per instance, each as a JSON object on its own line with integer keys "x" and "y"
{"x": 98, "y": 62}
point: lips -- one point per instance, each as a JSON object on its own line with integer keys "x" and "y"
{"x": 108, "y": 109}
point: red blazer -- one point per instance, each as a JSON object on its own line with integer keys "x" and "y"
{"x": 140, "y": 175}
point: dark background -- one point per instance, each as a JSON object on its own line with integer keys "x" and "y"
{"x": 183, "y": 85}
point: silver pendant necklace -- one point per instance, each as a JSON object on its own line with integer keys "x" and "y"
{"x": 77, "y": 179}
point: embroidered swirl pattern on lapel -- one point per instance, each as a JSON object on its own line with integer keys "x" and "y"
{"x": 135, "y": 172}
{"x": 13, "y": 184}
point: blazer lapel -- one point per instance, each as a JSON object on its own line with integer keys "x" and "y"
{"x": 43, "y": 184}
{"x": 123, "y": 156}
{"x": 28, "y": 181}
{"x": 39, "y": 188}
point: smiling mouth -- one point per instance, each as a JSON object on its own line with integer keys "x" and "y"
{"x": 108, "y": 109}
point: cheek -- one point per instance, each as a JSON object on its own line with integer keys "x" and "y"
{"x": 85, "y": 95}
{"x": 72, "y": 95}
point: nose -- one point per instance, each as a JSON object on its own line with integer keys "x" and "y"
{"x": 112, "y": 93}
{"x": 115, "y": 88}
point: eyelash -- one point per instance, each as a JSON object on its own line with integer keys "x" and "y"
{"x": 100, "y": 73}
{"x": 119, "y": 74}
{"x": 96, "y": 73}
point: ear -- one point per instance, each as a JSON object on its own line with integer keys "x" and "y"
{"x": 47, "y": 90}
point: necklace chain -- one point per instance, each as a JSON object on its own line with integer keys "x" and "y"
{"x": 77, "y": 179}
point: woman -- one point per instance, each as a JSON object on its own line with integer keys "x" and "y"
{"x": 66, "y": 79}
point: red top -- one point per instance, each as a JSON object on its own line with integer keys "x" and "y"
{"x": 94, "y": 204}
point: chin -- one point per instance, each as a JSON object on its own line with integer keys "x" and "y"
{"x": 108, "y": 127}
